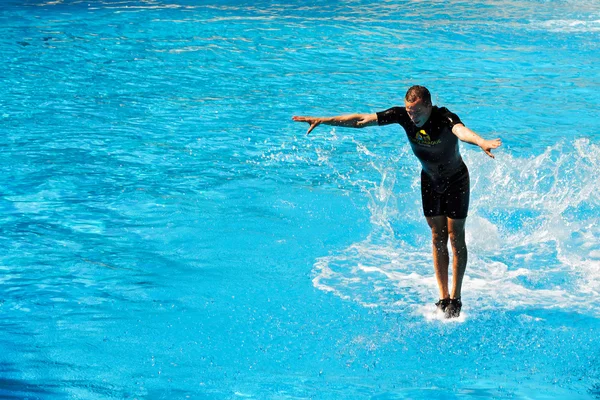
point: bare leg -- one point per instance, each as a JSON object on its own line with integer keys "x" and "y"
{"x": 456, "y": 232}
{"x": 439, "y": 236}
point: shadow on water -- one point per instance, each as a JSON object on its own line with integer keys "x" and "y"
{"x": 595, "y": 391}
{"x": 20, "y": 389}
{"x": 11, "y": 388}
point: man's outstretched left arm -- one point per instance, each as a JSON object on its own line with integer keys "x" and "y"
{"x": 468, "y": 136}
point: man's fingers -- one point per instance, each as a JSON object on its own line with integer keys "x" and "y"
{"x": 312, "y": 126}
{"x": 310, "y": 120}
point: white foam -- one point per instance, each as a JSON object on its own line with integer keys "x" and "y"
{"x": 568, "y": 25}
{"x": 431, "y": 313}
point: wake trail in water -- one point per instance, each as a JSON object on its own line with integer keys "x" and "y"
{"x": 532, "y": 236}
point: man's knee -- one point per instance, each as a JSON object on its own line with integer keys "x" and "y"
{"x": 439, "y": 236}
{"x": 457, "y": 240}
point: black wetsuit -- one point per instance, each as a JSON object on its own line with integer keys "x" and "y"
{"x": 445, "y": 182}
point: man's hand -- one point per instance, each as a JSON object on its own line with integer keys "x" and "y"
{"x": 468, "y": 136}
{"x": 488, "y": 145}
{"x": 313, "y": 121}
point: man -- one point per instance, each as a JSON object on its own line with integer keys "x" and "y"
{"x": 433, "y": 134}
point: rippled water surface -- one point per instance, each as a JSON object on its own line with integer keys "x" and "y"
{"x": 168, "y": 232}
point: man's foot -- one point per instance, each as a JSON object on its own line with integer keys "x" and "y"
{"x": 442, "y": 304}
{"x": 453, "y": 308}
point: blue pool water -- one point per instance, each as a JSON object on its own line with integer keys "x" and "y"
{"x": 168, "y": 232}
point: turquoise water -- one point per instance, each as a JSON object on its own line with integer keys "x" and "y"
{"x": 168, "y": 232}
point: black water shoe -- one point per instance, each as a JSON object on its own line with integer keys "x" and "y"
{"x": 452, "y": 310}
{"x": 442, "y": 304}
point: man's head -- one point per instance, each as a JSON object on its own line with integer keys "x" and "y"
{"x": 418, "y": 104}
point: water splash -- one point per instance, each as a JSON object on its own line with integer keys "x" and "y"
{"x": 531, "y": 233}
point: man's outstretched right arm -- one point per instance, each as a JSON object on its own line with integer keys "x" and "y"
{"x": 349, "y": 121}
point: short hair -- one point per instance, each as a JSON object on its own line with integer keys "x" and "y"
{"x": 417, "y": 92}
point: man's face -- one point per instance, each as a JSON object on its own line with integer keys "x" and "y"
{"x": 418, "y": 111}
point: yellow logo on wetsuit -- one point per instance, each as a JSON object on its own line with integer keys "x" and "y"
{"x": 423, "y": 138}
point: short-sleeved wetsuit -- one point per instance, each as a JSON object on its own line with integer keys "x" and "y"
{"x": 445, "y": 184}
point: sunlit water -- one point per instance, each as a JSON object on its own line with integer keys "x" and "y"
{"x": 168, "y": 231}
